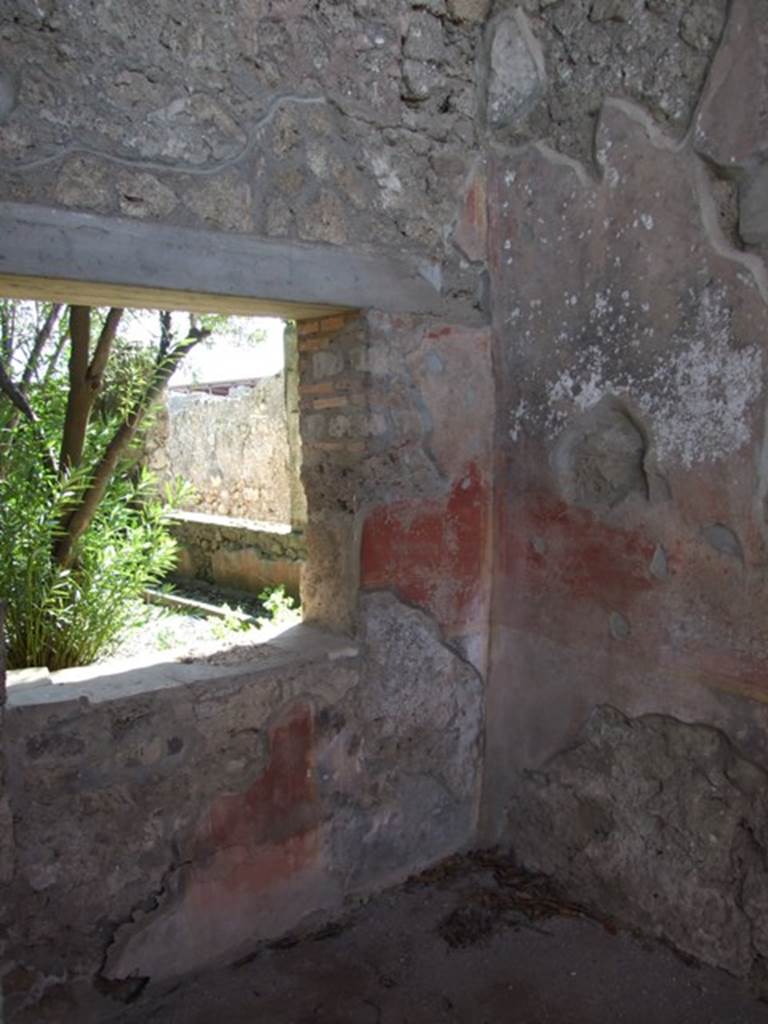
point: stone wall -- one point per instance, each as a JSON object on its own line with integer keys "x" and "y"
{"x": 220, "y": 804}
{"x": 335, "y": 122}
{"x": 339, "y": 124}
{"x": 233, "y": 449}
{"x": 586, "y": 476}
{"x": 397, "y": 469}
{"x": 237, "y": 554}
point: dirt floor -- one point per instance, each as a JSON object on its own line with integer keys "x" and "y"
{"x": 471, "y": 942}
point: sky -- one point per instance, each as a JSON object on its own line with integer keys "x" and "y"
{"x": 224, "y": 356}
{"x": 238, "y": 354}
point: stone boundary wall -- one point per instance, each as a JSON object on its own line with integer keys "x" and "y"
{"x": 233, "y": 449}
{"x": 240, "y": 555}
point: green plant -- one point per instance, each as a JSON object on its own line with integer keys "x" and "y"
{"x": 280, "y": 607}
{"x": 69, "y": 615}
{"x": 235, "y": 621}
{"x": 82, "y": 533}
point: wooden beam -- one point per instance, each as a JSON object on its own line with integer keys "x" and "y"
{"x": 130, "y": 263}
{"x": 83, "y": 293}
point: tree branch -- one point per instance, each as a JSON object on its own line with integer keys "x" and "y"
{"x": 16, "y": 395}
{"x": 103, "y": 347}
{"x": 5, "y": 331}
{"x": 19, "y": 400}
{"x": 81, "y": 518}
{"x": 56, "y": 355}
{"x": 41, "y": 338}
{"x": 79, "y": 399}
{"x": 166, "y": 335}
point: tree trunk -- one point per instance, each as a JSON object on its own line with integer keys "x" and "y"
{"x": 85, "y": 379}
{"x": 81, "y": 518}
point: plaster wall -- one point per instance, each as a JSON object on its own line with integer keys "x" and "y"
{"x": 174, "y": 814}
{"x": 627, "y": 720}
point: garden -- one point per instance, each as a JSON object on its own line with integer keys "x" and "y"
{"x": 85, "y": 544}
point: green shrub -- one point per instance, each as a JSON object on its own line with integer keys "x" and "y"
{"x": 57, "y": 616}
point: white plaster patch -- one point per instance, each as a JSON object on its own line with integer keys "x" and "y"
{"x": 697, "y": 397}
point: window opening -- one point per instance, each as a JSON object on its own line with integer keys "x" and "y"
{"x": 196, "y": 539}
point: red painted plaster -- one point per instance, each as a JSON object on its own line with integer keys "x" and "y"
{"x": 267, "y": 833}
{"x": 551, "y": 545}
{"x": 432, "y": 552}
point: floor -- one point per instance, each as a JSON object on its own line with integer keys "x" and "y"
{"x": 471, "y": 942}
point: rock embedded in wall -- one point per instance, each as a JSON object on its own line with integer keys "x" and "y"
{"x": 600, "y": 458}
{"x": 730, "y": 126}
{"x": 469, "y": 10}
{"x": 730, "y": 123}
{"x": 517, "y": 77}
{"x": 753, "y": 208}
{"x": 144, "y": 196}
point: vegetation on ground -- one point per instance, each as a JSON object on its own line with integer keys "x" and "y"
{"x": 161, "y": 629}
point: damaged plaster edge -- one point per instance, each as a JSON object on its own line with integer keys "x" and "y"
{"x": 602, "y": 709}
{"x": 477, "y": 170}
{"x": 717, "y": 72}
{"x": 558, "y": 159}
{"x": 639, "y": 116}
{"x": 592, "y": 172}
{"x": 659, "y": 139}
{"x": 750, "y": 262}
{"x": 430, "y": 621}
